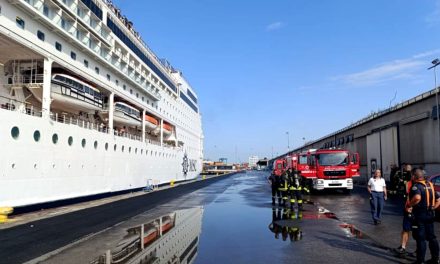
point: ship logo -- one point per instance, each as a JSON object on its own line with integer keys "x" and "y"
{"x": 185, "y": 164}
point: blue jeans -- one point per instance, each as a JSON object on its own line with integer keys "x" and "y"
{"x": 376, "y": 202}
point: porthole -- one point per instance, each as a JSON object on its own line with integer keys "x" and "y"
{"x": 15, "y": 132}
{"x": 70, "y": 141}
{"x": 35, "y": 166}
{"x": 106, "y": 146}
{"x": 37, "y": 135}
{"x": 13, "y": 165}
{"x": 95, "y": 145}
{"x": 55, "y": 138}
{"x": 53, "y": 165}
{"x": 115, "y": 147}
{"x": 83, "y": 142}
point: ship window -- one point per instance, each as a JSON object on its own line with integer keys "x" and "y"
{"x": 46, "y": 10}
{"x": 117, "y": 83}
{"x": 106, "y": 146}
{"x": 83, "y": 142}
{"x": 124, "y": 87}
{"x": 58, "y": 46}
{"x": 131, "y": 91}
{"x": 40, "y": 35}
{"x": 97, "y": 70}
{"x": 115, "y": 147}
{"x": 86, "y": 63}
{"x": 135, "y": 151}
{"x": 73, "y": 55}
{"x": 55, "y": 138}
{"x": 137, "y": 95}
{"x": 108, "y": 77}
{"x": 129, "y": 150}
{"x": 15, "y": 132}
{"x": 123, "y": 147}
{"x": 37, "y": 135}
{"x": 143, "y": 98}
{"x": 70, "y": 141}
{"x": 20, "y": 22}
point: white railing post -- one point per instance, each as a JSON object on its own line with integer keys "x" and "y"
{"x": 141, "y": 236}
{"x": 143, "y": 126}
{"x": 111, "y": 106}
{"x": 45, "y": 100}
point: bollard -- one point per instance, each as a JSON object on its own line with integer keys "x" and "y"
{"x": 4, "y": 212}
{"x": 172, "y": 183}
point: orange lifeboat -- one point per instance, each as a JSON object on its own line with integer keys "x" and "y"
{"x": 151, "y": 122}
{"x": 167, "y": 129}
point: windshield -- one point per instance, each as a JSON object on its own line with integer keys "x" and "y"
{"x": 332, "y": 159}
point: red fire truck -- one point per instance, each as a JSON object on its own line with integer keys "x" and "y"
{"x": 327, "y": 168}
{"x": 279, "y": 167}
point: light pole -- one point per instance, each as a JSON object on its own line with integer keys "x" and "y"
{"x": 435, "y": 63}
{"x": 288, "y": 141}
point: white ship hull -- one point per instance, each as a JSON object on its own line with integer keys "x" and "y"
{"x": 37, "y": 172}
{"x": 56, "y": 147}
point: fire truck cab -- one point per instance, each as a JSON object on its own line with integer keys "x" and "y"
{"x": 328, "y": 168}
{"x": 279, "y": 166}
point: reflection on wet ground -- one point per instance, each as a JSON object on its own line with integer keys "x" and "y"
{"x": 231, "y": 221}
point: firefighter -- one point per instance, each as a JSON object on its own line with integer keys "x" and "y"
{"x": 402, "y": 179}
{"x": 274, "y": 227}
{"x": 283, "y": 187}
{"x": 296, "y": 189}
{"x": 423, "y": 202}
{"x": 274, "y": 182}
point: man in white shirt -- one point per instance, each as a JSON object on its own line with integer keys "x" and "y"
{"x": 378, "y": 194}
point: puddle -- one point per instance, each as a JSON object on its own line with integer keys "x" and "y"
{"x": 351, "y": 231}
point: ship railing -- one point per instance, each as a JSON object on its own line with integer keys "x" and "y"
{"x": 72, "y": 120}
{"x": 25, "y": 79}
{"x": 19, "y": 106}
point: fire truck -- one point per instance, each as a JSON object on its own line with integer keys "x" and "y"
{"x": 326, "y": 168}
{"x": 279, "y": 167}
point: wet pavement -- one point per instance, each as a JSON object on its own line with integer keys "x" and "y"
{"x": 230, "y": 220}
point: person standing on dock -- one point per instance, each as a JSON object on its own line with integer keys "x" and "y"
{"x": 274, "y": 182}
{"x": 378, "y": 194}
{"x": 423, "y": 202}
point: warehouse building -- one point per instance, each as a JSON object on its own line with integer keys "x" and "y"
{"x": 405, "y": 133}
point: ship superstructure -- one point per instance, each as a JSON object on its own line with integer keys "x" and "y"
{"x": 86, "y": 107}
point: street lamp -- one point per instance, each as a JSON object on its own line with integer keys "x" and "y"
{"x": 435, "y": 63}
{"x": 288, "y": 141}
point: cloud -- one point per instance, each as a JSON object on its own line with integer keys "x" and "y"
{"x": 275, "y": 26}
{"x": 403, "y": 69}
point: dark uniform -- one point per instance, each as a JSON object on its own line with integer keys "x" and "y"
{"x": 402, "y": 178}
{"x": 296, "y": 189}
{"x": 275, "y": 184}
{"x": 274, "y": 227}
{"x": 283, "y": 187}
{"x": 423, "y": 225}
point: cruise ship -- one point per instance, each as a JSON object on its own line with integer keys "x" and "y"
{"x": 86, "y": 107}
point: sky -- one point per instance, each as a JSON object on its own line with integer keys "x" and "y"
{"x": 263, "y": 68}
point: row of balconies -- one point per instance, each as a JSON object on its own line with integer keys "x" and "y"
{"x": 76, "y": 30}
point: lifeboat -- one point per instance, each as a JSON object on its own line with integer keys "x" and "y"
{"x": 150, "y": 235}
{"x": 71, "y": 94}
{"x": 167, "y": 129}
{"x": 151, "y": 123}
{"x": 124, "y": 115}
